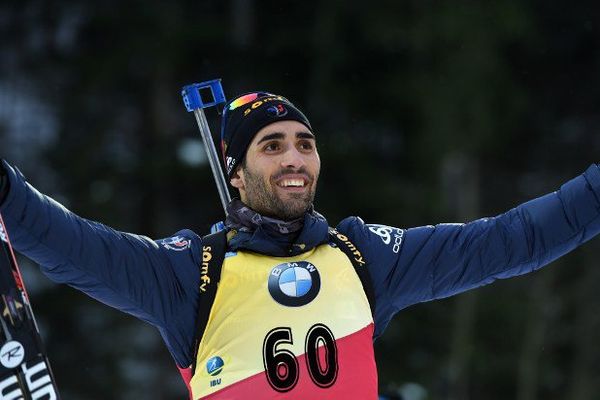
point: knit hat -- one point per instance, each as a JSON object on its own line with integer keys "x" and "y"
{"x": 245, "y": 115}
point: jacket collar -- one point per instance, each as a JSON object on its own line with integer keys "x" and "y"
{"x": 274, "y": 237}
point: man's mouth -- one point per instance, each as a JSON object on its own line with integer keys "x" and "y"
{"x": 292, "y": 182}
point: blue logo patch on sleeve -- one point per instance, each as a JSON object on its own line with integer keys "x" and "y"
{"x": 177, "y": 243}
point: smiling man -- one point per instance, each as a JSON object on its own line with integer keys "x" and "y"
{"x": 285, "y": 307}
{"x": 284, "y": 167}
{"x": 274, "y": 143}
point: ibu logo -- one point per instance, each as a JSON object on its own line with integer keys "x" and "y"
{"x": 294, "y": 284}
{"x": 214, "y": 366}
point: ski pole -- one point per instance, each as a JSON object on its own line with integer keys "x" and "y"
{"x": 24, "y": 368}
{"x": 193, "y": 101}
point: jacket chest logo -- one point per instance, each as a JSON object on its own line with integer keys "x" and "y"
{"x": 294, "y": 284}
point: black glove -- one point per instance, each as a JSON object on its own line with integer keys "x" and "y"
{"x": 4, "y": 183}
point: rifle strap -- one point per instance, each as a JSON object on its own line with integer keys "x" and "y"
{"x": 213, "y": 254}
{"x": 358, "y": 262}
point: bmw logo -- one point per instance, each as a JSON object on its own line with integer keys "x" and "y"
{"x": 214, "y": 366}
{"x": 294, "y": 284}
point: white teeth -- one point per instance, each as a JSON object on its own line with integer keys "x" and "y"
{"x": 292, "y": 182}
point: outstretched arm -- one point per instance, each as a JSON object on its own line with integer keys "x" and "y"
{"x": 130, "y": 272}
{"x": 433, "y": 262}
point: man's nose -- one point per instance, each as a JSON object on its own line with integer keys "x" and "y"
{"x": 292, "y": 158}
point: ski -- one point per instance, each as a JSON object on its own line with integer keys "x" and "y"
{"x": 24, "y": 368}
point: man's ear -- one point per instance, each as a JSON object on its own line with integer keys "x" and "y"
{"x": 237, "y": 179}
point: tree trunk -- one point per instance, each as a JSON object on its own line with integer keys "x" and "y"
{"x": 324, "y": 39}
{"x": 460, "y": 180}
{"x": 541, "y": 313}
{"x": 242, "y": 21}
{"x": 584, "y": 375}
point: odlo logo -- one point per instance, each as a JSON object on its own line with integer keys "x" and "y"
{"x": 294, "y": 284}
{"x": 385, "y": 233}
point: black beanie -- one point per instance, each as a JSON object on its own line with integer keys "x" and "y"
{"x": 245, "y": 115}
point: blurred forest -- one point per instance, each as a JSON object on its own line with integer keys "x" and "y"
{"x": 425, "y": 112}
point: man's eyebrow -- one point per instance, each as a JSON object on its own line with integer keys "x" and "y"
{"x": 281, "y": 135}
{"x": 305, "y": 135}
{"x": 271, "y": 136}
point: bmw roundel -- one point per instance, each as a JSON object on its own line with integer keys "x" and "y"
{"x": 294, "y": 284}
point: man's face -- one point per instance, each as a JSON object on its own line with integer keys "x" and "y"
{"x": 279, "y": 175}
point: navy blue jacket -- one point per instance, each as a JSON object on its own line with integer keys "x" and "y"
{"x": 157, "y": 281}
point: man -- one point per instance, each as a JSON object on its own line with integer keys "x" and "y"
{"x": 294, "y": 314}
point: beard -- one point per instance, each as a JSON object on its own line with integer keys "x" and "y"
{"x": 262, "y": 198}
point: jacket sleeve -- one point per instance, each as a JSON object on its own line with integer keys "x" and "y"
{"x": 150, "y": 280}
{"x": 432, "y": 262}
